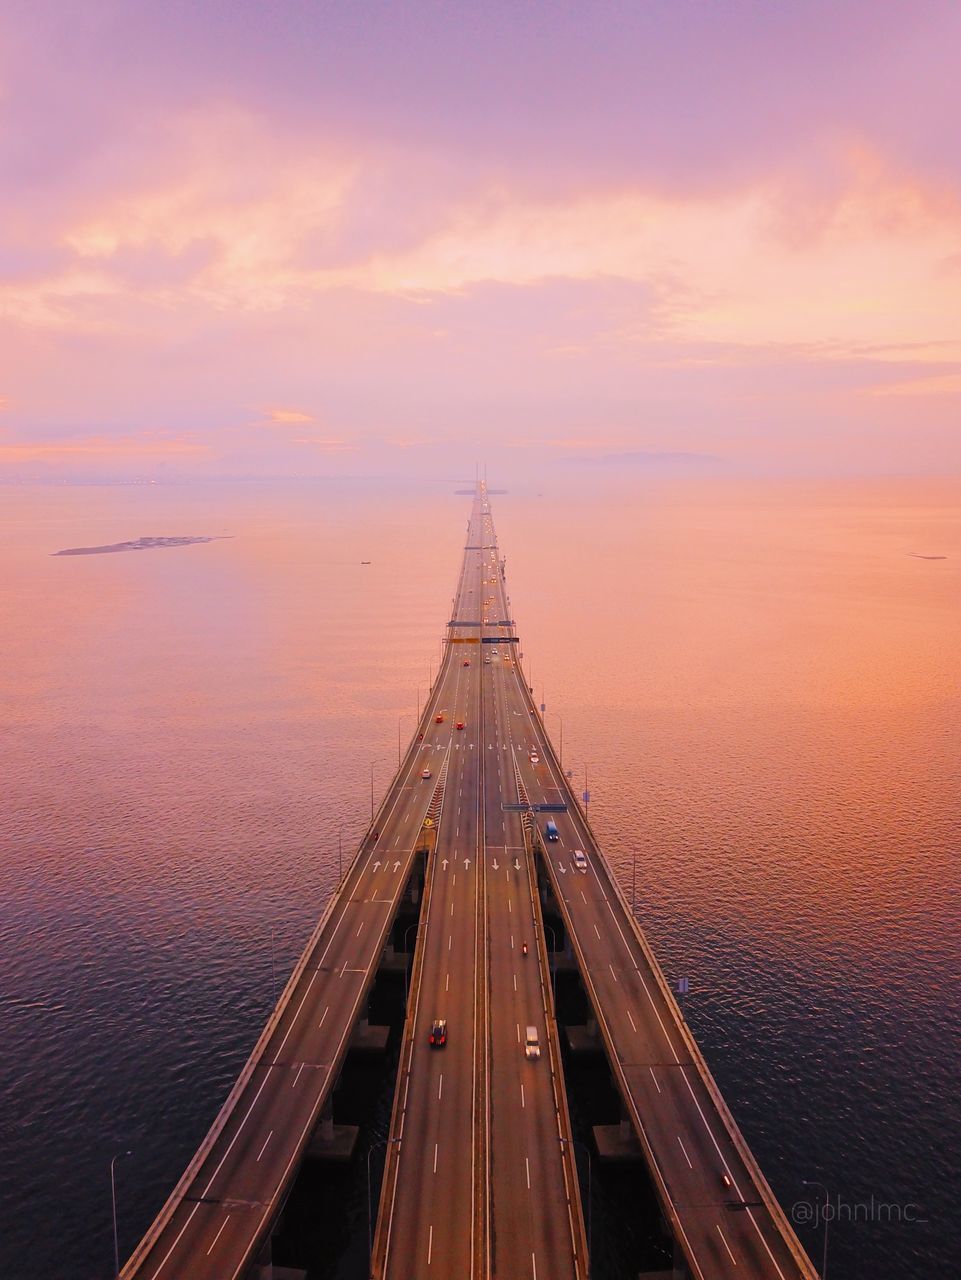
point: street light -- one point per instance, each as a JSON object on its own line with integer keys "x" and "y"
{"x": 561, "y": 723}
{"x": 406, "y": 935}
{"x": 113, "y": 1200}
{"x": 576, "y": 1143}
{"x": 400, "y": 719}
{"x": 827, "y": 1198}
{"x": 553, "y": 968}
{"x": 384, "y": 1142}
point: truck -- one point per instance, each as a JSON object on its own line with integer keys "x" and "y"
{"x": 550, "y": 830}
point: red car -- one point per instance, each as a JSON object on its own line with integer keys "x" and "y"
{"x": 439, "y": 718}
{"x": 438, "y": 1033}
{"x": 467, "y": 662}
{"x": 460, "y": 724}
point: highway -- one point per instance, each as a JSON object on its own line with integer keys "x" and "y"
{"x": 478, "y": 1180}
{"x": 223, "y": 1207}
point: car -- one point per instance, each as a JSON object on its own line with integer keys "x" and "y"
{"x": 425, "y": 773}
{"x": 420, "y": 737}
{"x": 467, "y": 662}
{"x": 580, "y": 859}
{"x": 439, "y": 718}
{"x": 488, "y": 661}
{"x": 460, "y": 724}
{"x": 438, "y": 1033}
{"x": 532, "y": 1048}
{"x": 535, "y": 758}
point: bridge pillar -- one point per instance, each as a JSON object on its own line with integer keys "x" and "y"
{"x": 325, "y": 1126}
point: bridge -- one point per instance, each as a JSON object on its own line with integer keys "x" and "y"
{"x": 481, "y": 1178}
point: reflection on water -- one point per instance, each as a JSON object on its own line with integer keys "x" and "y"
{"x": 761, "y": 685}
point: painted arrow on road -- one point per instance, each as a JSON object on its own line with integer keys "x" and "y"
{"x": 376, "y": 865}
{"x": 466, "y": 863}
{"x": 396, "y": 865}
{"x": 517, "y": 865}
{"x": 494, "y": 865}
{"x": 562, "y": 869}
{"x": 444, "y": 864}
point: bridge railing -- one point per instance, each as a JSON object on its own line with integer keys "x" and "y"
{"x": 769, "y": 1199}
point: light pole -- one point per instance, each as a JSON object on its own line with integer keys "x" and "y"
{"x": 587, "y": 1151}
{"x": 113, "y": 1200}
{"x": 550, "y": 963}
{"x": 633, "y": 878}
{"x": 340, "y": 857}
{"x": 560, "y": 721}
{"x": 400, "y": 720}
{"x": 384, "y": 1142}
{"x": 371, "y": 793}
{"x": 827, "y": 1199}
{"x": 406, "y": 935}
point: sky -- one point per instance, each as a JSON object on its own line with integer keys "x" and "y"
{"x": 291, "y": 237}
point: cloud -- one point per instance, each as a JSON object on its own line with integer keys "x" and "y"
{"x": 287, "y": 417}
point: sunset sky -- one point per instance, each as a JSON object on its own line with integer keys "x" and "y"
{"x": 305, "y": 238}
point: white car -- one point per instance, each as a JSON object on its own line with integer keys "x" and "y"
{"x": 580, "y": 860}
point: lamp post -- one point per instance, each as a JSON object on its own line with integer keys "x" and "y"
{"x": 400, "y": 720}
{"x": 406, "y": 935}
{"x": 384, "y": 1142}
{"x": 552, "y": 966}
{"x": 560, "y": 721}
{"x": 113, "y": 1201}
{"x": 575, "y": 1143}
{"x": 827, "y": 1199}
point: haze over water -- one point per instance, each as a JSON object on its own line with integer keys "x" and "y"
{"x": 761, "y": 681}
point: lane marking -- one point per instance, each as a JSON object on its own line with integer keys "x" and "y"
{"x": 726, "y": 1245}
{"x": 430, "y": 1244}
{"x": 654, "y": 1078}
{"x": 435, "y": 1157}
{"x": 630, "y": 1019}
{"x": 218, "y": 1235}
{"x": 264, "y": 1147}
{"x": 440, "y": 1087}
{"x": 527, "y": 1166}
{"x": 686, "y": 1156}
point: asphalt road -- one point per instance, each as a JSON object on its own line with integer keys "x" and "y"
{"x": 478, "y": 1181}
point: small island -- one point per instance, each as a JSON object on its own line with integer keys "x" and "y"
{"x": 141, "y": 544}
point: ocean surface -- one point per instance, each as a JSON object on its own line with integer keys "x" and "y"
{"x": 759, "y": 685}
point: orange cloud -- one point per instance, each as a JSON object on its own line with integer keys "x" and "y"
{"x": 287, "y": 417}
